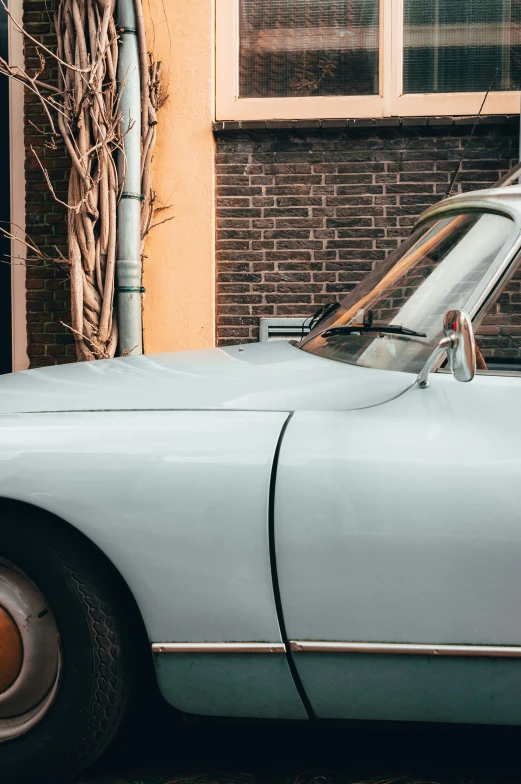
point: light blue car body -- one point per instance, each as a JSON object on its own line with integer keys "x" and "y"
{"x": 259, "y": 497}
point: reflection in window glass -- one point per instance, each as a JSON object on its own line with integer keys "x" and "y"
{"x": 499, "y": 332}
{"x": 456, "y": 45}
{"x": 308, "y": 47}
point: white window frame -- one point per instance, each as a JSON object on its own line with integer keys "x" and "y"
{"x": 390, "y": 102}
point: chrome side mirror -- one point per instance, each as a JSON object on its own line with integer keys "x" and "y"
{"x": 459, "y": 345}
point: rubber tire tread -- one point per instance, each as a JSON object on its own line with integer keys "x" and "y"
{"x": 88, "y": 603}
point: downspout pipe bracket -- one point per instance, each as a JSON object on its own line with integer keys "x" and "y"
{"x": 130, "y": 195}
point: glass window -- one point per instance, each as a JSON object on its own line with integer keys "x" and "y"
{"x": 498, "y": 334}
{"x": 322, "y": 59}
{"x": 456, "y": 45}
{"x": 446, "y": 264}
{"x": 308, "y": 48}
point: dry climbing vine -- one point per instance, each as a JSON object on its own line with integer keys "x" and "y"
{"x": 83, "y": 109}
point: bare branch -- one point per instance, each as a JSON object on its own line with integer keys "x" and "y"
{"x": 73, "y": 207}
{"x": 153, "y": 226}
{"x": 24, "y": 32}
{"x": 83, "y": 110}
{"x": 95, "y": 346}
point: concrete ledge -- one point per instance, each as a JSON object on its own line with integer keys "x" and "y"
{"x": 375, "y": 122}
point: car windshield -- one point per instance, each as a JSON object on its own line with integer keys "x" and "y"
{"x": 447, "y": 263}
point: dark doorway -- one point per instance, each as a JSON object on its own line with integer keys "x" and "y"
{"x": 5, "y": 209}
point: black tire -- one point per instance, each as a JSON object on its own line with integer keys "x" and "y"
{"x": 90, "y": 609}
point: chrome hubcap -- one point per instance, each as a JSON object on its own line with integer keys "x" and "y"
{"x": 30, "y": 661}
{"x": 11, "y": 651}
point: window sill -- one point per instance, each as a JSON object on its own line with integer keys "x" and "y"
{"x": 375, "y": 122}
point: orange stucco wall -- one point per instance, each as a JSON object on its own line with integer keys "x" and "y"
{"x": 179, "y": 271}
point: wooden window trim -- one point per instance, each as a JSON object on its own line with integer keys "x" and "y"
{"x": 389, "y": 103}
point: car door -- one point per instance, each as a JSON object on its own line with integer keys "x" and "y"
{"x": 398, "y": 546}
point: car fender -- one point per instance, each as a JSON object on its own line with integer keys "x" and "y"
{"x": 178, "y": 501}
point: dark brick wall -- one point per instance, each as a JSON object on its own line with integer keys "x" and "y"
{"x": 303, "y": 216}
{"x": 49, "y": 342}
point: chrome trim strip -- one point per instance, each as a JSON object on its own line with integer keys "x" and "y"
{"x": 465, "y": 202}
{"x": 218, "y": 647}
{"x": 500, "y": 651}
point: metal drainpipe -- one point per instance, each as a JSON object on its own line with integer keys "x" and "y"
{"x": 128, "y": 263}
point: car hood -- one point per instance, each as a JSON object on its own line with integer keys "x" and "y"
{"x": 260, "y": 376}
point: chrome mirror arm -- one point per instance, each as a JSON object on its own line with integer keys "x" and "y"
{"x": 460, "y": 345}
{"x": 445, "y": 344}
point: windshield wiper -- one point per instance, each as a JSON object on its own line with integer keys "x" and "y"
{"x": 390, "y": 329}
{"x": 322, "y": 313}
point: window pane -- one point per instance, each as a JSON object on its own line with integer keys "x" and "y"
{"x": 308, "y": 47}
{"x": 456, "y": 45}
{"x": 499, "y": 334}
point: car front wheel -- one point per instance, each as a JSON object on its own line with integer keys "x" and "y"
{"x": 65, "y": 669}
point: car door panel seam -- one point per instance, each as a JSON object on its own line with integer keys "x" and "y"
{"x": 274, "y": 573}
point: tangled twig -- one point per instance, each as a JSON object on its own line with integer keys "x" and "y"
{"x": 83, "y": 110}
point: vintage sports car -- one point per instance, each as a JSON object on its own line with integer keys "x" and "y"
{"x": 329, "y": 528}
